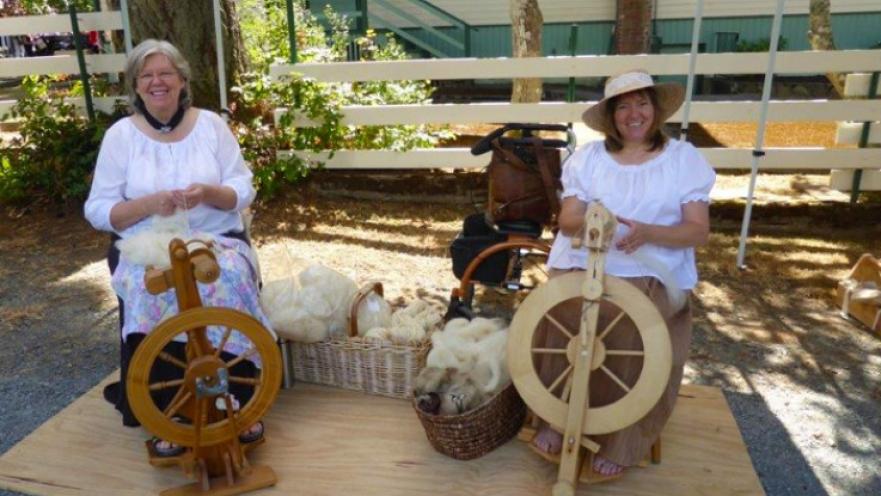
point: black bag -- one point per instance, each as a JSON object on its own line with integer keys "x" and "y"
{"x": 475, "y": 237}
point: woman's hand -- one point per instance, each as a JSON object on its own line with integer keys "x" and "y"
{"x": 161, "y": 203}
{"x": 637, "y": 236}
{"x": 190, "y": 197}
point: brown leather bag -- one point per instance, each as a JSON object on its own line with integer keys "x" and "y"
{"x": 523, "y": 183}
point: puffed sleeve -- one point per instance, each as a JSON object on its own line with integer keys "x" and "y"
{"x": 108, "y": 181}
{"x": 574, "y": 176}
{"x": 234, "y": 172}
{"x": 696, "y": 175}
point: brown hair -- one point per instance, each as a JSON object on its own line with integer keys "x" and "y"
{"x": 656, "y": 135}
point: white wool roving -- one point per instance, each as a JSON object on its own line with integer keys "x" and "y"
{"x": 476, "y": 348}
{"x": 150, "y": 245}
{"x": 676, "y": 296}
{"x": 408, "y": 325}
{"x": 373, "y": 311}
{"x": 279, "y": 300}
{"x": 327, "y": 294}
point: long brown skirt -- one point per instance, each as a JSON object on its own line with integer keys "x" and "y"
{"x": 629, "y": 446}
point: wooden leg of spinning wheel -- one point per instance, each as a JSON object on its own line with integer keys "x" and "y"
{"x": 656, "y": 451}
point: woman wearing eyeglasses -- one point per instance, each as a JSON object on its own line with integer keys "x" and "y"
{"x": 169, "y": 156}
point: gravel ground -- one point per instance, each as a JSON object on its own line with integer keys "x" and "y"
{"x": 803, "y": 384}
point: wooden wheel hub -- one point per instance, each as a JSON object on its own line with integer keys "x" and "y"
{"x": 207, "y": 373}
{"x": 599, "y": 353}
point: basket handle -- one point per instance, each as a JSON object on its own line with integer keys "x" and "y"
{"x": 370, "y": 287}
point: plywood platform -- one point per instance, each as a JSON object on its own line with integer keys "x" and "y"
{"x": 325, "y": 441}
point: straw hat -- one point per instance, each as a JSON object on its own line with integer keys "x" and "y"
{"x": 670, "y": 97}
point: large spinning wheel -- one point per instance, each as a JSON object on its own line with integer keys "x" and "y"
{"x": 563, "y": 401}
{"x": 202, "y": 415}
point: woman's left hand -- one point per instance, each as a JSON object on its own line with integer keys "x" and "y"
{"x": 637, "y": 236}
{"x": 190, "y": 197}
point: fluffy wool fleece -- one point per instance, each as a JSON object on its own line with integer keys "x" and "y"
{"x": 315, "y": 305}
{"x": 476, "y": 348}
{"x": 149, "y": 247}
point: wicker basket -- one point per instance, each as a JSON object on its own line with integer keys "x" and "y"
{"x": 362, "y": 365}
{"x": 476, "y": 433}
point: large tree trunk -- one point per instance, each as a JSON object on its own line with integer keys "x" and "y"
{"x": 820, "y": 37}
{"x": 633, "y": 22}
{"x": 526, "y": 25}
{"x": 189, "y": 25}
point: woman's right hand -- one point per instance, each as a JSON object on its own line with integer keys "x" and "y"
{"x": 161, "y": 203}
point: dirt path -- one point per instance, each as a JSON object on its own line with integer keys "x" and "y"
{"x": 803, "y": 383}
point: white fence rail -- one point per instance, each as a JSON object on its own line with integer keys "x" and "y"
{"x": 595, "y": 66}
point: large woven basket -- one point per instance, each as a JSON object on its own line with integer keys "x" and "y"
{"x": 476, "y": 433}
{"x": 369, "y": 366}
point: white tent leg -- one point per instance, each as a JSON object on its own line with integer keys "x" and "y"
{"x": 221, "y": 67}
{"x": 692, "y": 59}
{"x": 758, "y": 152}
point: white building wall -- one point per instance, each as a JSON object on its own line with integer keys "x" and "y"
{"x": 682, "y": 9}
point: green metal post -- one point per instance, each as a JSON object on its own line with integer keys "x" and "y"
{"x": 864, "y": 140}
{"x": 365, "y": 20}
{"x": 81, "y": 59}
{"x": 292, "y": 31}
{"x": 573, "y": 43}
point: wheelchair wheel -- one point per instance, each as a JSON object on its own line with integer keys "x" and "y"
{"x": 506, "y": 287}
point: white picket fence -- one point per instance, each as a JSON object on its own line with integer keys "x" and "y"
{"x": 598, "y": 66}
{"x": 62, "y": 64}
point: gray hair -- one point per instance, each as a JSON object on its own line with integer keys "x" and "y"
{"x": 135, "y": 63}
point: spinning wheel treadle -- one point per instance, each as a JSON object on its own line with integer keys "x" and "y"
{"x": 161, "y": 423}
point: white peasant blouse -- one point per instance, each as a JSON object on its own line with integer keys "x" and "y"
{"x": 651, "y": 193}
{"x": 131, "y": 165}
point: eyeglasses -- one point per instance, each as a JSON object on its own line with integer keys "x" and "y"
{"x": 164, "y": 76}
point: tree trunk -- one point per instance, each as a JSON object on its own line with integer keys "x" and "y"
{"x": 633, "y": 22}
{"x": 189, "y": 26}
{"x": 820, "y": 37}
{"x": 526, "y": 25}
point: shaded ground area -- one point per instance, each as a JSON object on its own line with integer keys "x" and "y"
{"x": 803, "y": 383}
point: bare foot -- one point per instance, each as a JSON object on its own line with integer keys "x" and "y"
{"x": 606, "y": 467}
{"x": 548, "y": 440}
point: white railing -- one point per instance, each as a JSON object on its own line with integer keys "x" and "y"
{"x": 62, "y": 64}
{"x": 808, "y": 62}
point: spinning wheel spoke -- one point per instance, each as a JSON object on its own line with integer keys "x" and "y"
{"x": 156, "y": 386}
{"x": 615, "y": 378}
{"x": 560, "y": 378}
{"x": 625, "y": 352}
{"x": 180, "y": 398}
{"x": 611, "y": 325}
{"x": 567, "y": 388}
{"x": 549, "y": 351}
{"x": 559, "y": 326}
{"x": 248, "y": 353}
{"x": 223, "y": 340}
{"x": 172, "y": 360}
{"x": 251, "y": 381}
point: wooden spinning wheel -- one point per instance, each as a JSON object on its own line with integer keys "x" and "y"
{"x": 201, "y": 396}
{"x": 564, "y": 403}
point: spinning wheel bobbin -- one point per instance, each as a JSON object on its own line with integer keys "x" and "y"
{"x": 586, "y": 352}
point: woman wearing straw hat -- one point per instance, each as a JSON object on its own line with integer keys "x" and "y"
{"x": 658, "y": 188}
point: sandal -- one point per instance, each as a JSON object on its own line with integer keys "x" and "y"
{"x": 168, "y": 451}
{"x": 589, "y": 475}
{"x": 250, "y": 435}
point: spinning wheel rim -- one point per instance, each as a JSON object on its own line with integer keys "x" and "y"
{"x": 653, "y": 377}
{"x": 161, "y": 425}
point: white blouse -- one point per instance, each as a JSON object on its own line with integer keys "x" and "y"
{"x": 131, "y": 165}
{"x": 651, "y": 193}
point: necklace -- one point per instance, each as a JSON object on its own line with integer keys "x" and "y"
{"x": 159, "y": 126}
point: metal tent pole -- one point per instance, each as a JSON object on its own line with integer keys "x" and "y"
{"x": 692, "y": 60}
{"x": 758, "y": 152}
{"x": 126, "y": 26}
{"x": 221, "y": 66}
{"x": 81, "y": 61}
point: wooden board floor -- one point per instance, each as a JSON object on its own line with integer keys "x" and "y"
{"x": 326, "y": 441}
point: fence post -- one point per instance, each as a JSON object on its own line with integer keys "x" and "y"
{"x": 573, "y": 43}
{"x": 292, "y": 31}
{"x": 864, "y": 140}
{"x": 81, "y": 60}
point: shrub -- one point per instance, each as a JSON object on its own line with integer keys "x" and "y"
{"x": 760, "y": 45}
{"x": 55, "y": 153}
